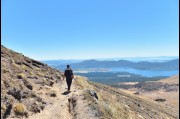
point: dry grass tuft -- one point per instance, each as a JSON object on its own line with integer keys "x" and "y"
{"x": 110, "y": 108}
{"x": 19, "y": 109}
{"x": 3, "y": 107}
{"x": 82, "y": 83}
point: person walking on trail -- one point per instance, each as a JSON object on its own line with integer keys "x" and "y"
{"x": 69, "y": 76}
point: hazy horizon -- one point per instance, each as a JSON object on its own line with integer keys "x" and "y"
{"x": 116, "y": 58}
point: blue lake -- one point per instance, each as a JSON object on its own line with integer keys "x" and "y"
{"x": 147, "y": 73}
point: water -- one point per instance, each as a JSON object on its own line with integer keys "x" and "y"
{"x": 146, "y": 73}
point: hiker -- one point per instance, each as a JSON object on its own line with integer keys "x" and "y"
{"x": 69, "y": 76}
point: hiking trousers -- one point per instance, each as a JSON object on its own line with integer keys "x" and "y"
{"x": 69, "y": 82}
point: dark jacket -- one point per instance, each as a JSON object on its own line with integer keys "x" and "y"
{"x": 68, "y": 73}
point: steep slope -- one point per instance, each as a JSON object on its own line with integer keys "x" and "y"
{"x": 116, "y": 104}
{"x": 24, "y": 83}
{"x": 33, "y": 90}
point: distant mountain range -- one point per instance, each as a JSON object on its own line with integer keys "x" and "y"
{"x": 143, "y": 65}
{"x": 132, "y": 59}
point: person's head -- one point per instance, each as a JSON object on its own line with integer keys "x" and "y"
{"x": 68, "y": 66}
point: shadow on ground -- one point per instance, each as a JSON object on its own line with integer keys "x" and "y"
{"x": 66, "y": 92}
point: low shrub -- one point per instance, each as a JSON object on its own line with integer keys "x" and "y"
{"x": 19, "y": 109}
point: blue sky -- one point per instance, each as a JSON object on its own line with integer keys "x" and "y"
{"x": 86, "y": 29}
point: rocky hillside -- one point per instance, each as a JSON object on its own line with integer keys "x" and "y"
{"x": 164, "y": 91}
{"x": 114, "y": 103}
{"x": 33, "y": 90}
{"x": 21, "y": 80}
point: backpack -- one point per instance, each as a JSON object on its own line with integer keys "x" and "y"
{"x": 68, "y": 73}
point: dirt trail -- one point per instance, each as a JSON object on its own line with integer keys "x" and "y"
{"x": 59, "y": 108}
